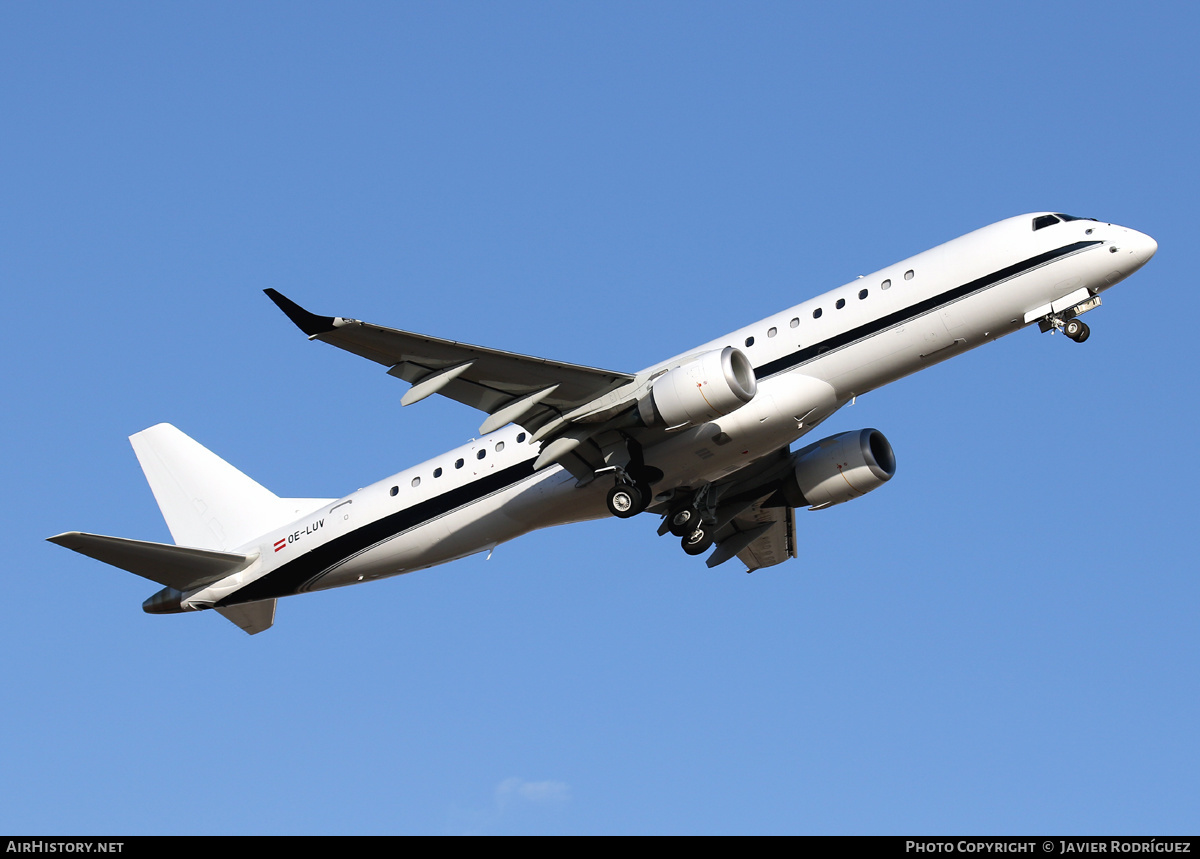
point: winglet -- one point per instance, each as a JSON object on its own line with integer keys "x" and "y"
{"x": 309, "y": 323}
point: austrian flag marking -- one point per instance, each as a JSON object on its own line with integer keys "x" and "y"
{"x": 310, "y": 528}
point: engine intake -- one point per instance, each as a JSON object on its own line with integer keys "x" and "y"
{"x": 838, "y": 468}
{"x": 705, "y": 388}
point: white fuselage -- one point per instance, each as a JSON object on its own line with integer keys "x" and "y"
{"x": 809, "y": 360}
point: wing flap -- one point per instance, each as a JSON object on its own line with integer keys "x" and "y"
{"x": 750, "y": 524}
{"x": 775, "y": 544}
{"x": 735, "y": 543}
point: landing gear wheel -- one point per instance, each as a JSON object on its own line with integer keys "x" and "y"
{"x": 698, "y": 542}
{"x": 683, "y": 521}
{"x": 625, "y": 501}
{"x": 1084, "y": 334}
{"x": 1077, "y": 330}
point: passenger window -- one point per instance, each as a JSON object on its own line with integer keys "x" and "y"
{"x": 416, "y": 481}
{"x": 817, "y": 313}
{"x": 841, "y": 302}
{"x": 458, "y": 463}
{"x": 908, "y": 275}
{"x": 499, "y": 446}
{"x": 395, "y": 489}
{"x": 749, "y": 341}
{"x": 771, "y": 332}
{"x": 887, "y": 284}
{"x": 795, "y": 323}
{"x": 437, "y": 472}
{"x": 520, "y": 437}
{"x": 482, "y": 453}
{"x": 862, "y": 293}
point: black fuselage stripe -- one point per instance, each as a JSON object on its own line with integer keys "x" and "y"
{"x": 294, "y": 575}
{"x": 921, "y": 308}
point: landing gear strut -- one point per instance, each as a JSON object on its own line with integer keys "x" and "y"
{"x": 691, "y": 517}
{"x": 1067, "y": 321}
{"x": 632, "y": 494}
{"x": 1073, "y": 327}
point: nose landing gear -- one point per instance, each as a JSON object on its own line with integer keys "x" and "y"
{"x": 1072, "y": 327}
{"x": 1076, "y": 330}
{"x": 1067, "y": 319}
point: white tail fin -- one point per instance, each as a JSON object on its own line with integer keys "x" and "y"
{"x": 206, "y": 501}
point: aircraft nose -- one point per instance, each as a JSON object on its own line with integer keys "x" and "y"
{"x": 1144, "y": 247}
{"x": 1134, "y": 250}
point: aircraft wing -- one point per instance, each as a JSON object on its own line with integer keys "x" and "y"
{"x": 510, "y": 387}
{"x": 760, "y": 537}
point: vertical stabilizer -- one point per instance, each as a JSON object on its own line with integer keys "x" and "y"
{"x": 206, "y": 501}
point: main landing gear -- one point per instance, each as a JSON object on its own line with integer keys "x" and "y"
{"x": 683, "y": 520}
{"x": 699, "y": 540}
{"x": 632, "y": 494}
{"x": 686, "y": 520}
{"x": 626, "y": 499}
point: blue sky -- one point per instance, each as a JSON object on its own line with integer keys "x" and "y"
{"x": 1002, "y": 639}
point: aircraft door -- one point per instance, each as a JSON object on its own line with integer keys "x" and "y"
{"x": 342, "y": 514}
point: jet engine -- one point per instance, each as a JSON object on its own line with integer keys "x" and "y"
{"x": 707, "y": 387}
{"x": 836, "y": 469}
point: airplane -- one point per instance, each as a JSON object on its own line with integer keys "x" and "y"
{"x": 702, "y": 439}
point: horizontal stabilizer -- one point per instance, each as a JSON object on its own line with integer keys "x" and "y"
{"x": 253, "y": 617}
{"x": 176, "y": 567}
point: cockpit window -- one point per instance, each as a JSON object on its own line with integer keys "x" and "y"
{"x": 1044, "y": 221}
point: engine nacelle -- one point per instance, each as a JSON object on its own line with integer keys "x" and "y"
{"x": 707, "y": 387}
{"x": 838, "y": 468}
